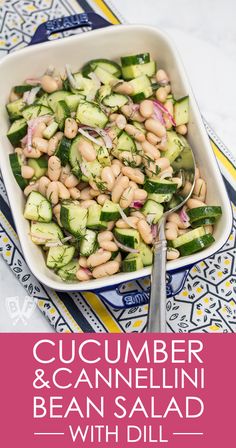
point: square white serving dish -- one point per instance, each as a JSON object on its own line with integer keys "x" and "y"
{"x": 111, "y": 42}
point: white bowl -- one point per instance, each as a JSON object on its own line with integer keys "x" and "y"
{"x": 111, "y": 42}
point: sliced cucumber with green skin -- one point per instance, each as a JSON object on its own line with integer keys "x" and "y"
{"x": 125, "y": 143}
{"x": 110, "y": 66}
{"x": 22, "y": 88}
{"x": 54, "y": 97}
{"x": 36, "y": 111}
{"x": 146, "y": 254}
{"x": 133, "y": 71}
{"x": 17, "y": 131}
{"x": 92, "y": 168}
{"x": 160, "y": 198}
{"x": 131, "y": 263}
{"x": 63, "y": 150}
{"x": 153, "y": 210}
{"x": 139, "y": 126}
{"x": 43, "y": 100}
{"x": 68, "y": 272}
{"x": 203, "y": 222}
{"x": 209, "y": 211}
{"x": 15, "y": 108}
{"x": 181, "y": 111}
{"x": 88, "y": 244}
{"x": 39, "y": 165}
{"x": 134, "y": 59}
{"x": 189, "y": 236}
{"x": 110, "y": 211}
{"x": 62, "y": 112}
{"x": 73, "y": 218}
{"x": 42, "y": 232}
{"x": 196, "y": 245}
{"x": 94, "y": 218}
{"x": 140, "y": 84}
{"x": 115, "y": 100}
{"x": 103, "y": 156}
{"x": 16, "y": 164}
{"x": 72, "y": 101}
{"x": 142, "y": 95}
{"x": 90, "y": 114}
{"x": 104, "y": 76}
{"x": 128, "y": 237}
{"x": 160, "y": 186}
{"x": 59, "y": 256}
{"x": 38, "y": 208}
{"x": 85, "y": 85}
{"x": 175, "y": 146}
{"x": 103, "y": 92}
{"x": 50, "y": 130}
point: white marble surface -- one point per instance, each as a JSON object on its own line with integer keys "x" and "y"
{"x": 205, "y": 35}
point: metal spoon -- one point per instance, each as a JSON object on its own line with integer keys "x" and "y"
{"x": 184, "y": 167}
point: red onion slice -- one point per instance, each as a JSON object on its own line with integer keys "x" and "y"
{"x": 125, "y": 218}
{"x": 137, "y": 204}
{"x": 88, "y": 136}
{"x": 183, "y": 215}
{"x": 30, "y": 98}
{"x": 102, "y": 132}
{"x": 157, "y": 113}
{"x": 33, "y": 81}
{"x": 163, "y": 109}
{"x": 126, "y": 248}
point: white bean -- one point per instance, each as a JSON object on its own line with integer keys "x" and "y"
{"x": 120, "y": 185}
{"x": 131, "y": 222}
{"x": 87, "y": 204}
{"x": 83, "y": 275}
{"x": 31, "y": 187}
{"x": 108, "y": 177}
{"x": 124, "y": 88}
{"x": 87, "y": 150}
{"x": 146, "y": 108}
{"x": 133, "y": 174}
{"x": 71, "y": 181}
{"x": 98, "y": 258}
{"x": 41, "y": 144}
{"x": 105, "y": 269}
{"x": 152, "y": 138}
{"x": 52, "y": 193}
{"x": 54, "y": 168}
{"x": 172, "y": 254}
{"x": 155, "y": 127}
{"x": 109, "y": 246}
{"x": 127, "y": 197}
{"x": 161, "y": 94}
{"x": 105, "y": 236}
{"x": 151, "y": 150}
{"x": 63, "y": 192}
{"x": 195, "y": 203}
{"x": 181, "y": 129}
{"x": 27, "y": 172}
{"x": 43, "y": 185}
{"x": 83, "y": 262}
{"x": 74, "y": 193}
{"x": 71, "y": 128}
{"x": 140, "y": 195}
{"x": 49, "y": 84}
{"x": 101, "y": 199}
{"x": 162, "y": 77}
{"x": 145, "y": 231}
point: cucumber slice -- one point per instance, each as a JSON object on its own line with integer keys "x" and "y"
{"x": 133, "y": 71}
{"x": 142, "y": 95}
{"x": 102, "y": 92}
{"x": 73, "y": 218}
{"x": 90, "y": 114}
{"x": 131, "y": 263}
{"x": 42, "y": 232}
{"x": 17, "y": 131}
{"x": 16, "y": 164}
{"x": 43, "y": 100}
{"x": 36, "y": 111}
{"x": 128, "y": 237}
{"x": 57, "y": 96}
{"x": 105, "y": 77}
{"x": 38, "y": 208}
{"x": 146, "y": 254}
{"x": 160, "y": 198}
{"x": 94, "y": 218}
{"x": 110, "y": 211}
{"x": 125, "y": 143}
{"x": 203, "y": 222}
{"x": 39, "y": 165}
{"x": 14, "y": 109}
{"x": 88, "y": 244}
{"x": 103, "y": 156}
{"x": 22, "y": 88}
{"x": 92, "y": 168}
{"x": 68, "y": 272}
{"x": 153, "y": 211}
{"x": 175, "y": 146}
{"x": 115, "y": 100}
{"x": 209, "y": 211}
{"x": 85, "y": 85}
{"x": 189, "y": 236}
{"x": 160, "y": 186}
{"x": 110, "y": 66}
{"x": 141, "y": 58}
{"x": 50, "y": 130}
{"x": 140, "y": 84}
{"x": 72, "y": 101}
{"x": 61, "y": 113}
{"x": 59, "y": 256}
{"x": 196, "y": 245}
{"x": 63, "y": 150}
{"x": 181, "y": 111}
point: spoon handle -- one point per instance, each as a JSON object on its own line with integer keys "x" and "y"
{"x": 156, "y": 322}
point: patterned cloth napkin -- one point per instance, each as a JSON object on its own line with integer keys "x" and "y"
{"x": 207, "y": 301}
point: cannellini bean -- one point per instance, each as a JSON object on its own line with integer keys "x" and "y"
{"x": 140, "y": 195}
{"x": 162, "y": 77}
{"x": 98, "y": 258}
{"x": 85, "y": 194}
{"x": 187, "y": 188}
{"x": 199, "y": 191}
{"x": 65, "y": 171}
{"x": 118, "y": 258}
{"x": 43, "y": 185}
{"x": 87, "y": 204}
{"x": 136, "y": 133}
{"x": 127, "y": 110}
{"x": 208, "y": 229}
{"x": 38, "y": 132}
{"x": 113, "y": 117}
{"x": 174, "y": 217}
{"x": 133, "y": 185}
{"x": 168, "y": 88}
{"x": 110, "y": 225}
{"x": 57, "y": 212}
{"x": 105, "y": 236}
{"x": 83, "y": 262}
{"x": 109, "y": 246}
{"x": 146, "y": 108}
{"x": 81, "y": 185}
{"x": 124, "y": 88}
{"x": 181, "y": 129}
{"x": 127, "y": 197}
{"x": 171, "y": 234}
{"x": 49, "y": 84}
{"x": 74, "y": 193}
{"x": 152, "y": 168}
{"x": 171, "y": 225}
{"x": 161, "y": 94}
{"x": 53, "y": 143}
{"x": 133, "y": 174}
{"x": 27, "y": 172}
{"x": 105, "y": 269}
{"x": 71, "y": 181}
{"x": 108, "y": 177}
{"x": 94, "y": 193}
{"x": 33, "y": 153}
{"x": 197, "y": 173}
{"x": 155, "y": 127}
{"x": 121, "y": 121}
{"x": 71, "y": 128}
{"x": 168, "y": 123}
{"x": 52, "y": 193}
{"x": 151, "y": 150}
{"x": 169, "y": 106}
{"x": 101, "y": 199}
{"x": 145, "y": 231}
{"x": 168, "y": 171}
{"x": 87, "y": 150}
{"x": 152, "y": 138}
{"x": 31, "y": 187}
{"x": 115, "y": 169}
{"x": 163, "y": 163}
{"x": 194, "y": 203}
{"x": 172, "y": 254}
{"x": 136, "y": 116}
{"x": 117, "y": 162}
{"x": 131, "y": 221}
{"x": 129, "y": 157}
{"x": 41, "y": 144}
{"x": 63, "y": 192}
{"x": 120, "y": 185}
{"x": 54, "y": 168}
{"x": 93, "y": 185}
{"x": 82, "y": 275}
